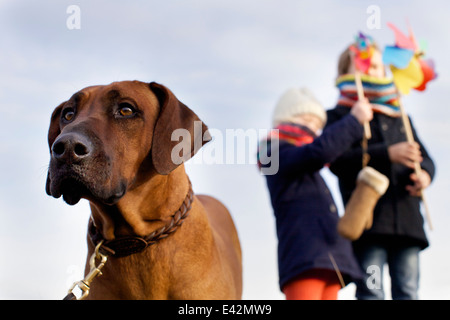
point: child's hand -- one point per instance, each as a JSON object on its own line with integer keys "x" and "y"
{"x": 362, "y": 110}
{"x": 405, "y": 153}
{"x": 420, "y": 182}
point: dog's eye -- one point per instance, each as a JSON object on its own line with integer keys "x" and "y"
{"x": 68, "y": 114}
{"x": 126, "y": 110}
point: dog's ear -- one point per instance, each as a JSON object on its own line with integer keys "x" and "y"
{"x": 175, "y": 115}
{"x": 53, "y": 133}
{"x": 54, "y": 130}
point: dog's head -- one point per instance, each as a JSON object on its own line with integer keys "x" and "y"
{"x": 104, "y": 139}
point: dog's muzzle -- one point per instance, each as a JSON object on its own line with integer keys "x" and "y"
{"x": 71, "y": 148}
{"x": 80, "y": 169}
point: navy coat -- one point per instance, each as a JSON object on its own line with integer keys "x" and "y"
{"x": 305, "y": 212}
{"x": 397, "y": 215}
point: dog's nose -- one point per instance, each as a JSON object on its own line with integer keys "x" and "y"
{"x": 71, "y": 147}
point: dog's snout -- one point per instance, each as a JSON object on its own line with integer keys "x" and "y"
{"x": 71, "y": 148}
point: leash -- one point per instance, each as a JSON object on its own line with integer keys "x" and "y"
{"x": 125, "y": 246}
{"x": 85, "y": 284}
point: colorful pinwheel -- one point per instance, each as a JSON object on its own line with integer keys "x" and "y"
{"x": 405, "y": 58}
{"x": 410, "y": 71}
{"x": 363, "y": 50}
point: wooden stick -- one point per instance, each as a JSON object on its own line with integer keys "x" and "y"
{"x": 417, "y": 168}
{"x": 336, "y": 268}
{"x": 360, "y": 91}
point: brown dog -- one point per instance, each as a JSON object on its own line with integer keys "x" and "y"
{"x": 112, "y": 145}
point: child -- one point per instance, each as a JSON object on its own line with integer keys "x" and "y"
{"x": 397, "y": 235}
{"x": 305, "y": 212}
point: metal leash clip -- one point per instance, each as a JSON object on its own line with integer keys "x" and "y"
{"x": 85, "y": 284}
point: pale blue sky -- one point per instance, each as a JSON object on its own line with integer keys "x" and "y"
{"x": 227, "y": 60}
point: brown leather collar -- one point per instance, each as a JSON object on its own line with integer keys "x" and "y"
{"x": 125, "y": 246}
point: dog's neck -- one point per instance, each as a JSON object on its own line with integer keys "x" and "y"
{"x": 134, "y": 214}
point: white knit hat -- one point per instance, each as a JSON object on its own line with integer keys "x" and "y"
{"x": 295, "y": 102}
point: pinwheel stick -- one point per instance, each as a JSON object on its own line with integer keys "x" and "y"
{"x": 417, "y": 168}
{"x": 360, "y": 91}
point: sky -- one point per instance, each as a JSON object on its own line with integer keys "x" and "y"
{"x": 229, "y": 61}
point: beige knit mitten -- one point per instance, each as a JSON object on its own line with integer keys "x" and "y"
{"x": 358, "y": 216}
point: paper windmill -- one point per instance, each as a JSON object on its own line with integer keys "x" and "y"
{"x": 408, "y": 68}
{"x": 363, "y": 51}
{"x": 362, "y": 54}
{"x": 410, "y": 71}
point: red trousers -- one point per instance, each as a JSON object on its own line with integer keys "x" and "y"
{"x": 315, "y": 284}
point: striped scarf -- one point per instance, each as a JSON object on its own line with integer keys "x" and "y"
{"x": 381, "y": 92}
{"x": 286, "y": 132}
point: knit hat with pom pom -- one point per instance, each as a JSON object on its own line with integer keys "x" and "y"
{"x": 295, "y": 102}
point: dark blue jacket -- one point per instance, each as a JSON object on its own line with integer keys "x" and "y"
{"x": 305, "y": 212}
{"x": 397, "y": 215}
